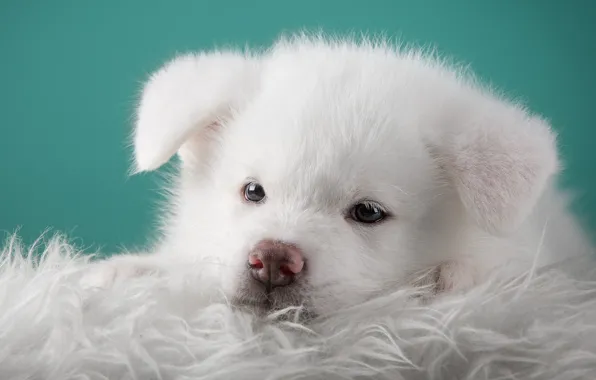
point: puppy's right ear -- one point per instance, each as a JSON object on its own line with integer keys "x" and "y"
{"x": 184, "y": 99}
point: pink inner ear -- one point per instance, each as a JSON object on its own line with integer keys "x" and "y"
{"x": 196, "y": 148}
{"x": 213, "y": 126}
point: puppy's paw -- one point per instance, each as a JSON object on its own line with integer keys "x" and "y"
{"x": 105, "y": 274}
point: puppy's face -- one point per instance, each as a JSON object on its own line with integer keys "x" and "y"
{"x": 347, "y": 189}
{"x": 321, "y": 175}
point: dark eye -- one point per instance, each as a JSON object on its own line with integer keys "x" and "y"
{"x": 367, "y": 213}
{"x": 254, "y": 192}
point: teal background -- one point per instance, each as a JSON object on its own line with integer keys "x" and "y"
{"x": 70, "y": 72}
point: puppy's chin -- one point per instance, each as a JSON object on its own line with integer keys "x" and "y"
{"x": 253, "y": 297}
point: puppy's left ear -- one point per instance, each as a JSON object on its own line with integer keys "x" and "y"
{"x": 185, "y": 100}
{"x": 498, "y": 158}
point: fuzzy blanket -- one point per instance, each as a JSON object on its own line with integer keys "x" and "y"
{"x": 540, "y": 326}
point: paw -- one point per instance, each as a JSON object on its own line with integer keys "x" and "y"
{"x": 105, "y": 274}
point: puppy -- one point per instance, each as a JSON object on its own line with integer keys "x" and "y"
{"x": 323, "y": 172}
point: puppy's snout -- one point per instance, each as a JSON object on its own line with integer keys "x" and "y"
{"x": 275, "y": 263}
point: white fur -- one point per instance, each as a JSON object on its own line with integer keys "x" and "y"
{"x": 469, "y": 176}
{"x": 541, "y": 326}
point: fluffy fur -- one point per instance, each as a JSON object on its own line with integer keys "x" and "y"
{"x": 467, "y": 177}
{"x": 539, "y": 326}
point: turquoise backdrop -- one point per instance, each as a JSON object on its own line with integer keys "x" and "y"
{"x": 70, "y": 72}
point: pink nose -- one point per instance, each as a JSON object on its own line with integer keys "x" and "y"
{"x": 275, "y": 263}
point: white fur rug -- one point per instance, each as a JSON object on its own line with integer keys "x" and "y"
{"x": 542, "y": 326}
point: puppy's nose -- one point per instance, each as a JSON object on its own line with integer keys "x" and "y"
{"x": 275, "y": 263}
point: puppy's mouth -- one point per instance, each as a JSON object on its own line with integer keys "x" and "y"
{"x": 264, "y": 303}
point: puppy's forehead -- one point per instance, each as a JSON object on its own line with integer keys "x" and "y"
{"x": 336, "y": 125}
{"x": 334, "y": 128}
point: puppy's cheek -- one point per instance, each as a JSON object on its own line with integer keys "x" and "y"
{"x": 456, "y": 276}
{"x": 331, "y": 296}
{"x": 228, "y": 278}
{"x": 333, "y": 300}
{"x": 228, "y": 288}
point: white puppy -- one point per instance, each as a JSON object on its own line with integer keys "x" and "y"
{"x": 324, "y": 172}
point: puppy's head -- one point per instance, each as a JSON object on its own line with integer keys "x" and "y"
{"x": 322, "y": 173}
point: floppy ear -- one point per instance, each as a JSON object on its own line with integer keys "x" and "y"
{"x": 498, "y": 158}
{"x": 186, "y": 97}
